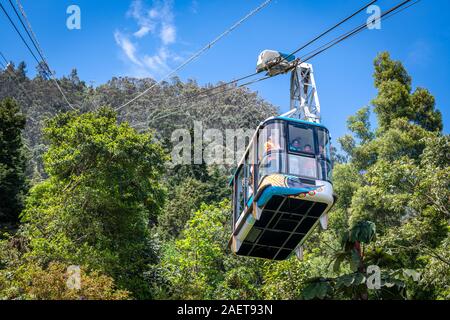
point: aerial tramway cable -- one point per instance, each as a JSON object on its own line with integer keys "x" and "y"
{"x": 197, "y": 54}
{"x": 300, "y": 48}
{"x": 385, "y": 15}
{"x": 35, "y": 43}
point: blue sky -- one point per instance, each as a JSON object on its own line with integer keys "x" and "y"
{"x": 148, "y": 38}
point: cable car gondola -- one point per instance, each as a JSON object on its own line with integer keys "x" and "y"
{"x": 282, "y": 186}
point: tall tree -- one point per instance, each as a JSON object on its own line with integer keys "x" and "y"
{"x": 398, "y": 177}
{"x": 199, "y": 265}
{"x": 102, "y": 192}
{"x": 13, "y": 183}
{"x": 395, "y": 99}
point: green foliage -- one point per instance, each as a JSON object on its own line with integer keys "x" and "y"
{"x": 95, "y": 207}
{"x": 362, "y": 232}
{"x": 166, "y": 107}
{"x": 103, "y": 191}
{"x": 104, "y": 202}
{"x": 13, "y": 183}
{"x": 31, "y": 282}
{"x": 318, "y": 289}
{"x": 194, "y": 266}
{"x": 240, "y": 283}
{"x": 287, "y": 279}
{"x": 199, "y": 265}
{"x": 436, "y": 276}
{"x": 423, "y": 104}
{"x": 360, "y": 125}
{"x": 395, "y": 100}
{"x": 398, "y": 178}
{"x": 186, "y": 194}
{"x": 387, "y": 70}
{"x": 21, "y": 278}
{"x": 354, "y": 285}
{"x": 392, "y": 103}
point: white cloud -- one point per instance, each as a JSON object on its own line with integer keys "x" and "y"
{"x": 127, "y": 47}
{"x": 158, "y": 21}
{"x": 142, "y": 32}
{"x": 168, "y": 34}
{"x": 153, "y": 13}
{"x": 157, "y": 62}
{"x": 142, "y": 17}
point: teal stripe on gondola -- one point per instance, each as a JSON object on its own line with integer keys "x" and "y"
{"x": 249, "y": 202}
{"x": 271, "y": 191}
{"x": 292, "y": 120}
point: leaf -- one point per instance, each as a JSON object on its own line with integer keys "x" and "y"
{"x": 345, "y": 240}
{"x": 363, "y": 231}
{"x": 359, "y": 278}
{"x": 345, "y": 280}
{"x": 319, "y": 289}
{"x": 415, "y": 275}
{"x": 310, "y": 291}
{"x": 323, "y": 289}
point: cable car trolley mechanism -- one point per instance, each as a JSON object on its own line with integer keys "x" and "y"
{"x": 282, "y": 187}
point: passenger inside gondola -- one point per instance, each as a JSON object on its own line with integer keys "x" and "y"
{"x": 271, "y": 145}
{"x": 307, "y": 149}
{"x": 270, "y": 157}
{"x": 295, "y": 145}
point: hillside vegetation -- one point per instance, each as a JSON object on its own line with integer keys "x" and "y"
{"x": 92, "y": 188}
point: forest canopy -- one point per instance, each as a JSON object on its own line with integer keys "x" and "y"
{"x": 91, "y": 188}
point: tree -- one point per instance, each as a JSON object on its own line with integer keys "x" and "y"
{"x": 395, "y": 100}
{"x": 21, "y": 71}
{"x": 102, "y": 192}
{"x": 13, "y": 183}
{"x": 355, "y": 285}
{"x": 187, "y": 193}
{"x": 32, "y": 282}
{"x": 200, "y": 266}
{"x": 398, "y": 178}
{"x": 194, "y": 265}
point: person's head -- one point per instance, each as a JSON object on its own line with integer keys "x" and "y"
{"x": 296, "y": 143}
{"x": 307, "y": 148}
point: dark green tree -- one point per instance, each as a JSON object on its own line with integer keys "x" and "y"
{"x": 21, "y": 71}
{"x": 395, "y": 99}
{"x": 354, "y": 285}
{"x": 398, "y": 177}
{"x": 102, "y": 193}
{"x": 13, "y": 183}
{"x": 199, "y": 264}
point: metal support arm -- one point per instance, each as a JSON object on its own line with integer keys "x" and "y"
{"x": 304, "y": 99}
